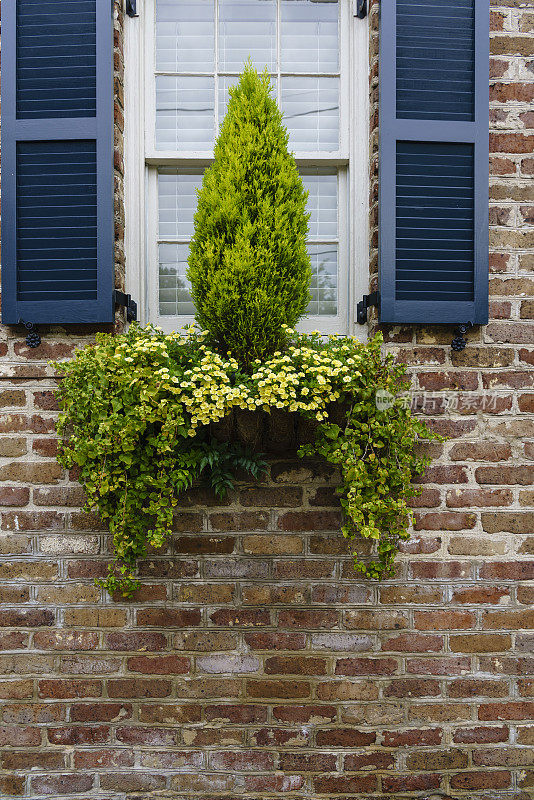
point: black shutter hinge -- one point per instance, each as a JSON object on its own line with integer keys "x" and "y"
{"x": 131, "y": 8}
{"x": 360, "y": 8}
{"x": 125, "y": 300}
{"x": 367, "y": 300}
{"x": 33, "y": 339}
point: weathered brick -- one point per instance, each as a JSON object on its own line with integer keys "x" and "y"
{"x": 345, "y": 784}
{"x": 159, "y": 665}
{"x": 410, "y": 783}
{"x": 444, "y": 620}
{"x": 57, "y": 689}
{"x": 413, "y": 737}
{"x": 481, "y": 735}
{"x": 365, "y": 666}
{"x": 164, "y": 618}
{"x": 139, "y": 687}
{"x": 481, "y": 594}
{"x": 481, "y": 780}
{"x": 412, "y": 687}
{"x": 480, "y": 643}
{"x": 413, "y": 643}
{"x": 61, "y": 784}
{"x": 462, "y": 498}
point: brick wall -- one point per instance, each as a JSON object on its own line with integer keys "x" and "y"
{"x": 253, "y": 662}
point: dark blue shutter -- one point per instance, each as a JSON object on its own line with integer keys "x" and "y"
{"x": 434, "y": 132}
{"x": 57, "y": 161}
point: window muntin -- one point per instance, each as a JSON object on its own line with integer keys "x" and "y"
{"x": 289, "y": 37}
{"x": 302, "y": 45}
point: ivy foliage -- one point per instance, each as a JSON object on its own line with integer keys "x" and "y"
{"x": 248, "y": 265}
{"x": 135, "y": 416}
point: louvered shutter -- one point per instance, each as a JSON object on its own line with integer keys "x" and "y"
{"x": 57, "y": 161}
{"x": 434, "y": 132}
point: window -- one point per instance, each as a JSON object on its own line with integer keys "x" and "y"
{"x": 189, "y": 53}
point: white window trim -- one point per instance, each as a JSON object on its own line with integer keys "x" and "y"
{"x": 140, "y": 179}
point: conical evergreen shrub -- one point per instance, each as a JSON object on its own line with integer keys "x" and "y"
{"x": 248, "y": 264}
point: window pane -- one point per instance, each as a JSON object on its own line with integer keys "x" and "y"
{"x": 177, "y": 199}
{"x": 185, "y": 36}
{"x": 309, "y": 35}
{"x": 174, "y": 288}
{"x": 311, "y": 112}
{"x": 322, "y": 203}
{"x": 247, "y": 28}
{"x": 185, "y": 116}
{"x": 225, "y": 83}
{"x": 323, "y": 288}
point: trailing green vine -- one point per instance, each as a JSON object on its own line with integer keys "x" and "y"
{"x": 136, "y": 410}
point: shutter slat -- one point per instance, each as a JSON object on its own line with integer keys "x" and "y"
{"x": 434, "y": 60}
{"x": 57, "y": 161}
{"x": 49, "y": 36}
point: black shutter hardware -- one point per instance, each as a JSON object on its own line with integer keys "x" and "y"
{"x": 122, "y": 299}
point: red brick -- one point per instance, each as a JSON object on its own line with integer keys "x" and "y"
{"x": 133, "y": 640}
{"x": 99, "y": 759}
{"x": 159, "y": 665}
{"x": 236, "y": 714}
{"x": 413, "y": 643}
{"x": 310, "y": 521}
{"x": 304, "y": 714}
{"x": 511, "y": 710}
{"x": 11, "y": 785}
{"x": 250, "y": 760}
{"x": 474, "y": 687}
{"x": 168, "y": 618}
{"x": 508, "y": 570}
{"x": 65, "y": 689}
{"x": 444, "y": 521}
{"x": 410, "y": 783}
{"x": 14, "y": 496}
{"x": 412, "y": 687}
{"x": 242, "y": 618}
{"x": 413, "y": 737}
{"x": 444, "y": 620}
{"x": 295, "y": 665}
{"x": 437, "y": 760}
{"x": 274, "y": 640}
{"x": 139, "y": 687}
{"x": 481, "y": 735}
{"x": 27, "y": 618}
{"x": 304, "y": 762}
{"x": 365, "y": 666}
{"x": 478, "y": 595}
{"x": 481, "y": 780}
{"x": 308, "y": 619}
{"x": 170, "y": 713}
{"x": 278, "y": 690}
{"x": 439, "y": 666}
{"x": 344, "y": 784}
{"x": 76, "y": 734}
{"x": 13, "y": 736}
{"x": 439, "y": 570}
{"x": 511, "y": 142}
{"x": 61, "y": 784}
{"x": 462, "y": 498}
{"x": 146, "y": 736}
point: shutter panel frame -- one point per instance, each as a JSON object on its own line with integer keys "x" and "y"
{"x": 395, "y": 129}
{"x": 17, "y": 132}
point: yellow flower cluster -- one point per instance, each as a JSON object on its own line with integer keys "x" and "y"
{"x": 181, "y": 375}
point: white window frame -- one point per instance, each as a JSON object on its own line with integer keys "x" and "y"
{"x": 142, "y": 159}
